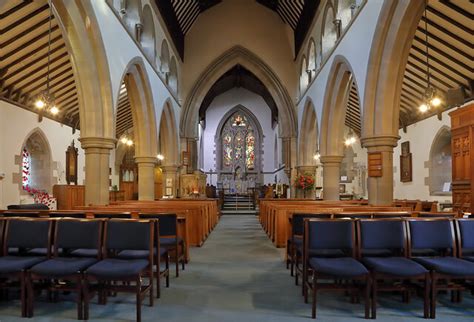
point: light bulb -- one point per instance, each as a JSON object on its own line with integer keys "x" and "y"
{"x": 352, "y": 140}
{"x": 436, "y": 102}
{"x": 347, "y": 142}
{"x": 124, "y": 140}
{"x": 39, "y": 104}
{"x": 54, "y": 110}
{"x": 129, "y": 142}
{"x": 423, "y": 108}
{"x": 316, "y": 156}
{"x": 160, "y": 157}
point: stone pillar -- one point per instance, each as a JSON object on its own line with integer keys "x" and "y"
{"x": 146, "y": 177}
{"x": 170, "y": 176}
{"x": 97, "y": 155}
{"x": 331, "y": 176}
{"x": 311, "y": 170}
{"x": 380, "y": 189}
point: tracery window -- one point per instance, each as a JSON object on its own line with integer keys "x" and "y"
{"x": 238, "y": 143}
{"x": 26, "y": 169}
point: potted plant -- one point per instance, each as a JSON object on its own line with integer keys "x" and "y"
{"x": 304, "y": 182}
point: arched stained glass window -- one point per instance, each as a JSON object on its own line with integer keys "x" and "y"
{"x": 26, "y": 169}
{"x": 238, "y": 143}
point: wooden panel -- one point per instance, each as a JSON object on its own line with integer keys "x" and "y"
{"x": 375, "y": 164}
{"x": 128, "y": 189}
{"x": 69, "y": 196}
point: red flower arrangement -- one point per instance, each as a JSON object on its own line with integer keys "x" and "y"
{"x": 304, "y": 182}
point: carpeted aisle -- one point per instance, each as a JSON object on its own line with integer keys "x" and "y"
{"x": 238, "y": 275}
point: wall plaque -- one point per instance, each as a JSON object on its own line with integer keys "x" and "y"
{"x": 71, "y": 164}
{"x": 375, "y": 164}
{"x": 405, "y": 163}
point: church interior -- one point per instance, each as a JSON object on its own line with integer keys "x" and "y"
{"x": 229, "y": 160}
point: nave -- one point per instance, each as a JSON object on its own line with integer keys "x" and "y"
{"x": 238, "y": 275}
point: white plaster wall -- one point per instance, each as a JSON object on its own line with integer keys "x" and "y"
{"x": 15, "y": 125}
{"x": 354, "y": 45}
{"x": 216, "y": 111}
{"x": 239, "y": 22}
{"x": 421, "y": 136}
{"x": 121, "y": 49}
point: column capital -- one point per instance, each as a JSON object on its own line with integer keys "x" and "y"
{"x": 97, "y": 142}
{"x": 169, "y": 168}
{"x": 307, "y": 168}
{"x": 327, "y": 159}
{"x": 380, "y": 141}
{"x": 141, "y": 160}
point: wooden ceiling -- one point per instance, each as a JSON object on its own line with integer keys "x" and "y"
{"x": 24, "y": 29}
{"x": 352, "y": 119}
{"x": 451, "y": 60}
{"x": 124, "y": 113}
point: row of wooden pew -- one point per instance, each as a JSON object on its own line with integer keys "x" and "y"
{"x": 275, "y": 214}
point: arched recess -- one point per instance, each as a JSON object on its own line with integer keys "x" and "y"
{"x": 312, "y": 60}
{"x": 164, "y": 57}
{"x": 90, "y": 67}
{"x": 308, "y": 138}
{"x": 147, "y": 40}
{"x": 440, "y": 164}
{"x": 238, "y": 55}
{"x": 335, "y": 105}
{"x": 344, "y": 12}
{"x": 133, "y": 16}
{"x": 38, "y": 149}
{"x": 142, "y": 107}
{"x": 169, "y": 136}
{"x": 257, "y": 131}
{"x": 391, "y": 44}
{"x": 173, "y": 76}
{"x": 329, "y": 33}
{"x": 304, "y": 77}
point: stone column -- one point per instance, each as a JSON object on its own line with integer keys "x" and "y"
{"x": 331, "y": 176}
{"x": 380, "y": 189}
{"x": 170, "y": 172}
{"x": 97, "y": 155}
{"x": 306, "y": 169}
{"x": 146, "y": 177}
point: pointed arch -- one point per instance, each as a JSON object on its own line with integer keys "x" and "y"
{"x": 440, "y": 162}
{"x": 329, "y": 34}
{"x": 169, "y": 135}
{"x": 309, "y": 135}
{"x": 164, "y": 57}
{"x": 147, "y": 40}
{"x": 238, "y": 55}
{"x": 142, "y": 107}
{"x": 304, "y": 77}
{"x": 173, "y": 76}
{"x": 335, "y": 105}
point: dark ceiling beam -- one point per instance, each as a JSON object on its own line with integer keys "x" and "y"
{"x": 443, "y": 63}
{"x": 437, "y": 70}
{"x": 450, "y": 20}
{"x": 25, "y": 32}
{"x": 432, "y": 24}
{"x": 169, "y": 16}
{"x": 458, "y": 9}
{"x": 15, "y": 9}
{"x": 307, "y": 16}
{"x": 442, "y": 52}
{"x": 206, "y": 4}
{"x": 23, "y": 19}
{"x": 432, "y": 76}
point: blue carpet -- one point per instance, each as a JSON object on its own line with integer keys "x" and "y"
{"x": 238, "y": 275}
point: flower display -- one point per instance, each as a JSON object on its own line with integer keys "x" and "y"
{"x": 304, "y": 182}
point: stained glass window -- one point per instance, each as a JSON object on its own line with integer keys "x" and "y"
{"x": 26, "y": 169}
{"x": 238, "y": 143}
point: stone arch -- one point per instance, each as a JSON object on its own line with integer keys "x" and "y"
{"x": 37, "y": 144}
{"x": 132, "y": 16}
{"x": 334, "y": 109}
{"x": 312, "y": 66}
{"x": 308, "y": 138}
{"x": 398, "y": 21}
{"x": 142, "y": 106}
{"x": 344, "y": 10}
{"x": 329, "y": 33}
{"x": 173, "y": 76}
{"x": 440, "y": 165}
{"x": 147, "y": 40}
{"x": 238, "y": 55}
{"x": 304, "y": 76}
{"x": 258, "y": 132}
{"x": 169, "y": 135}
{"x": 164, "y": 57}
{"x": 90, "y": 67}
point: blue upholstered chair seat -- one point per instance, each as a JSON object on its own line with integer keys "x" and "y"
{"x": 344, "y": 266}
{"x": 138, "y": 254}
{"x": 376, "y": 252}
{"x": 170, "y": 241}
{"x": 110, "y": 268}
{"x": 424, "y": 252}
{"x": 12, "y": 264}
{"x": 399, "y": 266}
{"x": 84, "y": 252}
{"x": 62, "y": 266}
{"x": 38, "y": 252}
{"x": 469, "y": 258}
{"x": 448, "y": 265}
{"x": 321, "y": 252}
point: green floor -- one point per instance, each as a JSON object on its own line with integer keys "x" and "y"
{"x": 238, "y": 275}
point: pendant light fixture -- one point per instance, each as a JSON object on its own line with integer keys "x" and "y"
{"x": 351, "y": 138}
{"x": 430, "y": 99}
{"x": 45, "y": 101}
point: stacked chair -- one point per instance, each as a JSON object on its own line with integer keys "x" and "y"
{"x": 365, "y": 256}
{"x": 85, "y": 256}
